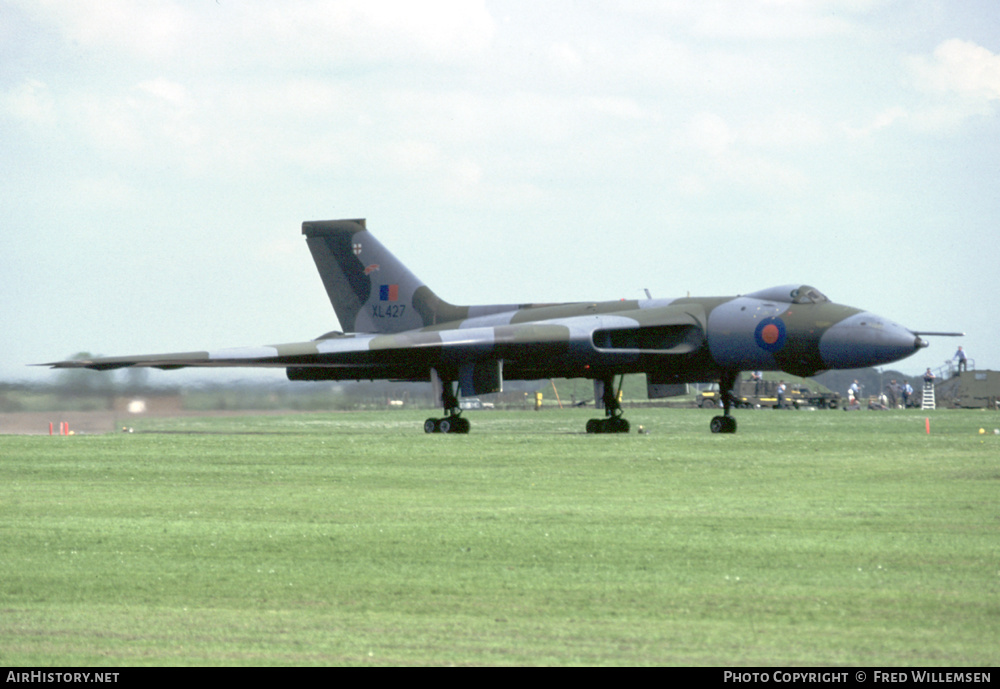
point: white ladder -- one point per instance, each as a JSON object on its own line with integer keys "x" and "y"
{"x": 928, "y": 401}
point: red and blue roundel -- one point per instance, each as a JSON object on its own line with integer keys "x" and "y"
{"x": 770, "y": 334}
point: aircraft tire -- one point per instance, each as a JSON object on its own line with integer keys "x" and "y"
{"x": 461, "y": 425}
{"x": 609, "y": 425}
{"x": 723, "y": 424}
{"x": 618, "y": 425}
{"x": 431, "y": 426}
{"x": 445, "y": 426}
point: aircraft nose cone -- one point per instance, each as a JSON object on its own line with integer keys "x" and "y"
{"x": 866, "y": 339}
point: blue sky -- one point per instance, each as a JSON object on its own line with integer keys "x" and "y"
{"x": 158, "y": 159}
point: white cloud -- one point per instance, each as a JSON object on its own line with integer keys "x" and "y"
{"x": 153, "y": 118}
{"x": 785, "y": 128}
{"x": 146, "y": 29}
{"x": 883, "y": 120}
{"x": 620, "y": 108}
{"x": 170, "y": 92}
{"x": 414, "y": 157}
{"x": 960, "y": 80}
{"x": 963, "y": 68}
{"x": 727, "y": 157}
{"x": 709, "y": 133}
{"x": 312, "y": 32}
{"x": 756, "y": 19}
{"x": 103, "y": 193}
{"x": 565, "y": 59}
{"x": 444, "y": 29}
{"x": 30, "y": 102}
{"x": 762, "y": 174}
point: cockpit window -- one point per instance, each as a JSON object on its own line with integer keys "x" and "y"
{"x": 808, "y": 295}
{"x": 791, "y": 294}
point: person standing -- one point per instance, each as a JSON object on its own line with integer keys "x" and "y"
{"x": 893, "y": 393}
{"x": 962, "y": 360}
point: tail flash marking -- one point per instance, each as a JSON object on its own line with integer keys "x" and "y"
{"x": 396, "y": 302}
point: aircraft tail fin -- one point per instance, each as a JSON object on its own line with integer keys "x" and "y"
{"x": 370, "y": 289}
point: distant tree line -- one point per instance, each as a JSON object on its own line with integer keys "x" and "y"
{"x": 101, "y": 388}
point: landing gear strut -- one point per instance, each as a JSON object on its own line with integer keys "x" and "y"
{"x": 612, "y": 421}
{"x": 452, "y": 421}
{"x": 725, "y": 423}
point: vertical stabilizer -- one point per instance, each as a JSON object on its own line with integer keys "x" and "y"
{"x": 371, "y": 291}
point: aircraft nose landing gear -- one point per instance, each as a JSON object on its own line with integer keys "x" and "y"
{"x": 725, "y": 423}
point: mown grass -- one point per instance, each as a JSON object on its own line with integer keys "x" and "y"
{"x": 354, "y": 538}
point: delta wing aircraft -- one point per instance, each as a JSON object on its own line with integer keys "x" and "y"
{"x": 396, "y": 328}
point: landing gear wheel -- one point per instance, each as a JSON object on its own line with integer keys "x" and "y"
{"x": 449, "y": 424}
{"x": 723, "y": 424}
{"x": 726, "y": 423}
{"x": 618, "y": 425}
{"x": 613, "y": 421}
{"x": 452, "y": 421}
{"x": 608, "y": 425}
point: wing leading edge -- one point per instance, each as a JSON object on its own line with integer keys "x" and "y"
{"x": 571, "y": 345}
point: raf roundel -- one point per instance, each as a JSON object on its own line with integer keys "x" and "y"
{"x": 770, "y": 334}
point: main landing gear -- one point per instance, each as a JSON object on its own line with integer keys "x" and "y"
{"x": 725, "y": 423}
{"x": 612, "y": 421}
{"x": 452, "y": 421}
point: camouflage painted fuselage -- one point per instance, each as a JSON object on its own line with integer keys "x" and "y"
{"x": 671, "y": 341}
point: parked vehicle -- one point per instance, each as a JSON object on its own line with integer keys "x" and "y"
{"x": 753, "y": 394}
{"x": 974, "y": 389}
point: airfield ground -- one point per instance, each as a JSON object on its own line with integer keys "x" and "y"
{"x": 100, "y": 422}
{"x": 807, "y": 538}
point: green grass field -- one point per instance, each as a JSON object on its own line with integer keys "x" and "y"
{"x": 354, "y": 538}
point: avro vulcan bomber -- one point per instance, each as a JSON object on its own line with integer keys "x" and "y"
{"x": 396, "y": 328}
